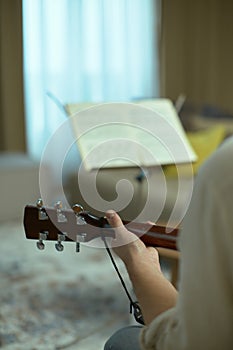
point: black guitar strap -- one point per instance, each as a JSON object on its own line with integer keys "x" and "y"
{"x": 134, "y": 305}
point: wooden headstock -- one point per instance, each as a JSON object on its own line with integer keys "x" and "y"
{"x": 57, "y": 224}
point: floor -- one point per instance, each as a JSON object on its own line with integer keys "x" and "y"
{"x": 57, "y": 300}
{"x": 54, "y": 300}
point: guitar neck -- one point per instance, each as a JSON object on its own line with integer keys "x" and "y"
{"x": 151, "y": 235}
{"x": 155, "y": 235}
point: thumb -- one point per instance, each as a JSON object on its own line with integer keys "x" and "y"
{"x": 123, "y": 236}
{"x": 113, "y": 218}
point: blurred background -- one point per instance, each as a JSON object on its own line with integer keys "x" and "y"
{"x": 100, "y": 51}
{"x": 65, "y": 54}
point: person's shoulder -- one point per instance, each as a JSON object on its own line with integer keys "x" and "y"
{"x": 218, "y": 168}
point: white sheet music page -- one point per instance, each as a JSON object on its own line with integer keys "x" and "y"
{"x": 146, "y": 133}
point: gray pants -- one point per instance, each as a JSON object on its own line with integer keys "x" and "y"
{"x": 126, "y": 338}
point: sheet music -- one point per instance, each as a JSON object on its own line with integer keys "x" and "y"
{"x": 146, "y": 133}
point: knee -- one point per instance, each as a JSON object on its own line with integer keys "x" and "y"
{"x": 125, "y": 338}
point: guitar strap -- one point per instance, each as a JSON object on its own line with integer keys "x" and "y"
{"x": 134, "y": 305}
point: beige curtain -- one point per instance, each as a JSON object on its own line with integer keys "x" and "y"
{"x": 12, "y": 127}
{"x": 197, "y": 51}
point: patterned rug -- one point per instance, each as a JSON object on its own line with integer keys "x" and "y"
{"x": 56, "y": 300}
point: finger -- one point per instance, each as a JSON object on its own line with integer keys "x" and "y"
{"x": 150, "y": 222}
{"x": 123, "y": 236}
{"x": 113, "y": 219}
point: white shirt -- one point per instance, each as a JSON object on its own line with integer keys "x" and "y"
{"x": 203, "y": 316}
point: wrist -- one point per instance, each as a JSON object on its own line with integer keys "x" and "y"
{"x": 132, "y": 254}
{"x": 139, "y": 263}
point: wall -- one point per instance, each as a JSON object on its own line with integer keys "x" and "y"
{"x": 197, "y": 51}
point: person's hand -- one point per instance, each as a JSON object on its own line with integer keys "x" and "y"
{"x": 154, "y": 292}
{"x": 128, "y": 246}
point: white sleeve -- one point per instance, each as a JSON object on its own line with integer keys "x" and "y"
{"x": 203, "y": 316}
{"x": 160, "y": 332}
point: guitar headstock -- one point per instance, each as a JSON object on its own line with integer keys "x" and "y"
{"x": 57, "y": 224}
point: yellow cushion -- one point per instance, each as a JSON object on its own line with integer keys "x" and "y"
{"x": 204, "y": 142}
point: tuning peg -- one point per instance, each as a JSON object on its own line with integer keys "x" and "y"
{"x": 60, "y": 216}
{"x": 77, "y": 208}
{"x": 42, "y": 214}
{"x": 59, "y": 247}
{"x": 42, "y": 236}
{"x": 81, "y": 237}
{"x": 60, "y": 238}
{"x": 40, "y": 245}
{"x": 39, "y": 203}
{"x": 58, "y": 205}
{"x": 77, "y": 247}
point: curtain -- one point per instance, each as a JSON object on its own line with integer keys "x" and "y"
{"x": 85, "y": 51}
{"x": 12, "y": 132}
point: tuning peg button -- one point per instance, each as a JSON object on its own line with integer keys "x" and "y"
{"x": 60, "y": 238}
{"x": 59, "y": 247}
{"x": 39, "y": 203}
{"x": 40, "y": 245}
{"x": 77, "y": 208}
{"x": 42, "y": 236}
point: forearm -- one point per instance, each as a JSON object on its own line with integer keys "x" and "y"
{"x": 154, "y": 292}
